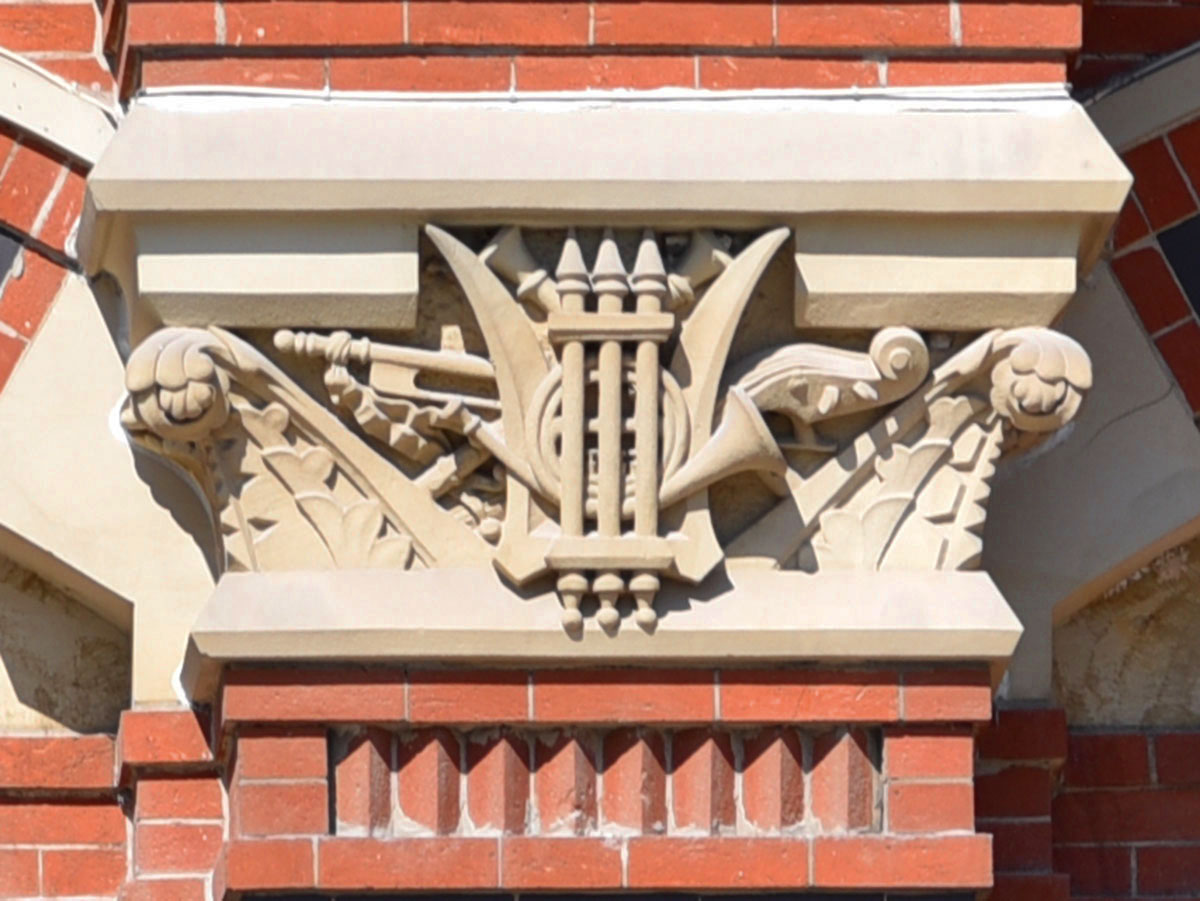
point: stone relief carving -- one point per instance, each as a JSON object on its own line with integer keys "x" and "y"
{"x": 583, "y": 446}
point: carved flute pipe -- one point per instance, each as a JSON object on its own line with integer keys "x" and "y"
{"x": 340, "y": 348}
{"x": 573, "y": 286}
{"x": 611, "y": 285}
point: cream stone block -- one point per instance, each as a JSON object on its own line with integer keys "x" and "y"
{"x": 80, "y": 507}
{"x": 1118, "y": 487}
{"x": 470, "y": 615}
{"x": 954, "y": 274}
{"x": 273, "y": 271}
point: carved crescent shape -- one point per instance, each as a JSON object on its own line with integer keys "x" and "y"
{"x": 511, "y": 341}
{"x": 707, "y": 334}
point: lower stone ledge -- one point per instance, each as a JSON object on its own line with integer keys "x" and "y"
{"x": 959, "y": 862}
{"x": 469, "y": 616}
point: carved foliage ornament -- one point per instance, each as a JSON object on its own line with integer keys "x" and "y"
{"x": 583, "y": 448}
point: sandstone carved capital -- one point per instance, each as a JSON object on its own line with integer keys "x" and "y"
{"x": 603, "y": 426}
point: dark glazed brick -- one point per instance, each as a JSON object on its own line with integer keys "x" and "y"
{"x": 9, "y": 247}
{"x": 1181, "y": 244}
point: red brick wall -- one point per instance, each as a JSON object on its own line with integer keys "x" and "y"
{"x": 1166, "y": 173}
{"x": 493, "y": 45}
{"x": 1119, "y": 36}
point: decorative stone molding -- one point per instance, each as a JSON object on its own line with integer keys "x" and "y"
{"x": 592, "y": 397}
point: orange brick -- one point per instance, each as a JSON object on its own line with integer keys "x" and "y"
{"x": 90, "y": 74}
{"x": 1056, "y": 26}
{"x": 1151, "y": 288}
{"x": 26, "y": 299}
{"x": 1131, "y": 224}
{"x": 744, "y": 72}
{"x": 420, "y": 73}
{"x": 363, "y": 784}
{"x": 18, "y": 873}
{"x": 64, "y": 27}
{"x": 947, "y": 695}
{"x": 490, "y": 22}
{"x": 179, "y": 797}
{"x": 64, "y": 212}
{"x": 176, "y": 889}
{"x": 634, "y": 696}
{"x": 263, "y": 865}
{"x": 498, "y": 782}
{"x": 10, "y": 353}
{"x": 163, "y": 737}
{"x": 468, "y": 697}
{"x": 773, "y": 779}
{"x": 574, "y": 73}
{"x": 313, "y": 23}
{"x": 703, "y": 781}
{"x": 31, "y": 176}
{"x": 282, "y": 752}
{"x": 682, "y": 22}
{"x": 433, "y": 864}
{"x": 564, "y": 784}
{"x": 635, "y": 781}
{"x": 1018, "y": 791}
{"x": 74, "y": 763}
{"x": 176, "y": 848}
{"x": 1179, "y": 348}
{"x": 251, "y": 71}
{"x": 169, "y": 23}
{"x": 83, "y": 823}
{"x": 1025, "y": 734}
{"x": 358, "y": 696}
{"x": 1020, "y": 845}
{"x": 913, "y": 72}
{"x": 844, "y": 781}
{"x": 718, "y": 864}
{"x": 867, "y": 25}
{"x": 1108, "y": 760}
{"x": 805, "y": 696}
{"x": 888, "y": 862}
{"x": 534, "y": 864}
{"x": 82, "y": 872}
{"x": 928, "y": 754}
{"x": 1099, "y": 871}
{"x": 282, "y": 808}
{"x": 428, "y": 780}
{"x": 1160, "y": 187}
{"x": 930, "y": 806}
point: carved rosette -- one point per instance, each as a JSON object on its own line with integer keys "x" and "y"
{"x": 583, "y": 446}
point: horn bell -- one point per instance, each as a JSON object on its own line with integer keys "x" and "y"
{"x": 742, "y": 443}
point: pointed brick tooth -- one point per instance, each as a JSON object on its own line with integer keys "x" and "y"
{"x": 844, "y": 783}
{"x": 565, "y": 785}
{"x": 362, "y": 781}
{"x": 635, "y": 781}
{"x": 773, "y": 779}
{"x": 608, "y": 275}
{"x": 428, "y": 780}
{"x": 702, "y": 774}
{"x": 572, "y": 272}
{"x": 498, "y": 782}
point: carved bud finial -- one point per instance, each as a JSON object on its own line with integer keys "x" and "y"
{"x": 572, "y": 271}
{"x": 1040, "y": 384}
{"x": 608, "y": 275}
{"x": 649, "y": 273}
{"x": 176, "y": 389}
